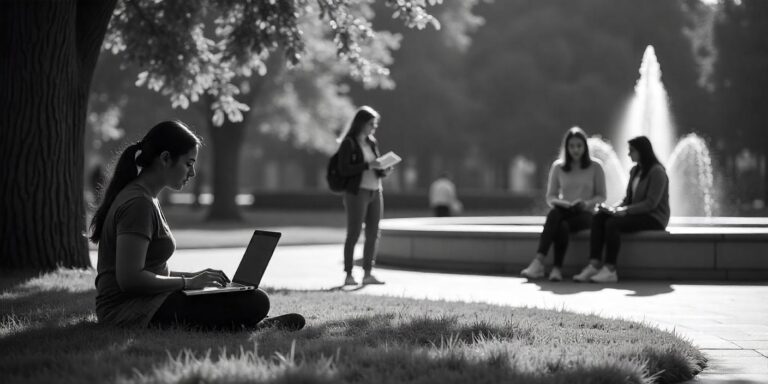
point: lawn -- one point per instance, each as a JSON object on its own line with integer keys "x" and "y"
{"x": 48, "y": 333}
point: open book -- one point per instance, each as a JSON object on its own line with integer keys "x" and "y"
{"x": 389, "y": 159}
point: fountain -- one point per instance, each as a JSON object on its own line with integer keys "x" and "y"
{"x": 696, "y": 245}
{"x": 615, "y": 174}
{"x": 691, "y": 190}
{"x": 688, "y": 163}
{"x": 648, "y": 112}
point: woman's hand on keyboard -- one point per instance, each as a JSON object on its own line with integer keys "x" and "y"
{"x": 207, "y": 278}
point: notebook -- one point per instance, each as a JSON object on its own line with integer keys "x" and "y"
{"x": 251, "y": 268}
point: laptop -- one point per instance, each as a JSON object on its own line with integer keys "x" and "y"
{"x": 251, "y": 268}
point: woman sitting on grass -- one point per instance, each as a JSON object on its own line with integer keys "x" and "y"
{"x": 576, "y": 185}
{"x": 645, "y": 207}
{"x": 134, "y": 286}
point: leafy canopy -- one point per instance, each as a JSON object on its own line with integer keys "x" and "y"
{"x": 192, "y": 48}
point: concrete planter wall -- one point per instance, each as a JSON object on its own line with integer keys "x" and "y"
{"x": 692, "y": 249}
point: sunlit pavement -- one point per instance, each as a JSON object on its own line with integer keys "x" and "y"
{"x": 729, "y": 322}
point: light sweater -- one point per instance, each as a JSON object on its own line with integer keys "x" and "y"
{"x": 587, "y": 185}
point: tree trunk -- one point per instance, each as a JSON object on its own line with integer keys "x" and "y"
{"x": 227, "y": 144}
{"x": 50, "y": 51}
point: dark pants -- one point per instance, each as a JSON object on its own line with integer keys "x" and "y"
{"x": 607, "y": 230}
{"x": 442, "y": 210}
{"x": 560, "y": 224}
{"x": 220, "y": 311}
{"x": 367, "y": 206}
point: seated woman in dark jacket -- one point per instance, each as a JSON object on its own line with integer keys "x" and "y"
{"x": 645, "y": 207}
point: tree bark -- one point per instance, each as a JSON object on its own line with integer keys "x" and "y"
{"x": 226, "y": 145}
{"x": 50, "y": 51}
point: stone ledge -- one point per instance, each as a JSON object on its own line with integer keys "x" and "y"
{"x": 693, "y": 251}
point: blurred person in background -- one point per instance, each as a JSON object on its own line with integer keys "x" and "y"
{"x": 442, "y": 197}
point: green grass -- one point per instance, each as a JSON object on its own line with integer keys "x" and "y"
{"x": 48, "y": 333}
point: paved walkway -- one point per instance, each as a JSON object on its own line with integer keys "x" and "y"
{"x": 729, "y": 322}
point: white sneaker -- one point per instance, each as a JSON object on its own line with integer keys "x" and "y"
{"x": 586, "y": 273}
{"x": 605, "y": 276}
{"x": 555, "y": 274}
{"x": 535, "y": 270}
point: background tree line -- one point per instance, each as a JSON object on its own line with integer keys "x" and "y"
{"x": 518, "y": 73}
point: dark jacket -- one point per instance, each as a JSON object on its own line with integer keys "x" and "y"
{"x": 651, "y": 196}
{"x": 352, "y": 163}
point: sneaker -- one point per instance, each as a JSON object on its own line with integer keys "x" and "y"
{"x": 287, "y": 322}
{"x": 350, "y": 280}
{"x": 555, "y": 274}
{"x": 370, "y": 279}
{"x": 586, "y": 273}
{"x": 605, "y": 276}
{"x": 535, "y": 270}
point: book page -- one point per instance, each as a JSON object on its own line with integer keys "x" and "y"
{"x": 389, "y": 159}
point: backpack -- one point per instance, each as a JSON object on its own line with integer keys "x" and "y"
{"x": 336, "y": 182}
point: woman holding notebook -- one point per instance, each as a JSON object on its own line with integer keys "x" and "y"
{"x": 363, "y": 199}
{"x": 576, "y": 185}
{"x": 134, "y": 285}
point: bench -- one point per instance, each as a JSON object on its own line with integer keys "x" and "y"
{"x": 691, "y": 248}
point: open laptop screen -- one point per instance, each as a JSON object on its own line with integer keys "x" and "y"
{"x": 256, "y": 257}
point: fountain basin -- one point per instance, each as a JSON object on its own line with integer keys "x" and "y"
{"x": 692, "y": 248}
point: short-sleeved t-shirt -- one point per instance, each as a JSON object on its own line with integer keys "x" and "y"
{"x": 133, "y": 211}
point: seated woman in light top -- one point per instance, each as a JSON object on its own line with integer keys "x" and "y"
{"x": 576, "y": 185}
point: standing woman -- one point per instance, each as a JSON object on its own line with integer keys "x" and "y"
{"x": 134, "y": 285}
{"x": 576, "y": 185}
{"x": 645, "y": 207}
{"x": 363, "y": 199}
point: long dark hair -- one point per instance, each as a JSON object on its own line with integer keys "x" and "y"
{"x": 172, "y": 136}
{"x": 647, "y": 158}
{"x": 578, "y": 133}
{"x": 364, "y": 114}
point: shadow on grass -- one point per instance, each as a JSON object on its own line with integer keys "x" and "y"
{"x": 48, "y": 333}
{"x": 15, "y": 278}
{"x": 366, "y": 349}
{"x": 340, "y": 288}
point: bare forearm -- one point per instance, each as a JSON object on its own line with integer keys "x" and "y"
{"x": 146, "y": 282}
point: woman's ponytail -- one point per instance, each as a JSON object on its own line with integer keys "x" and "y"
{"x": 171, "y": 136}
{"x": 125, "y": 171}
